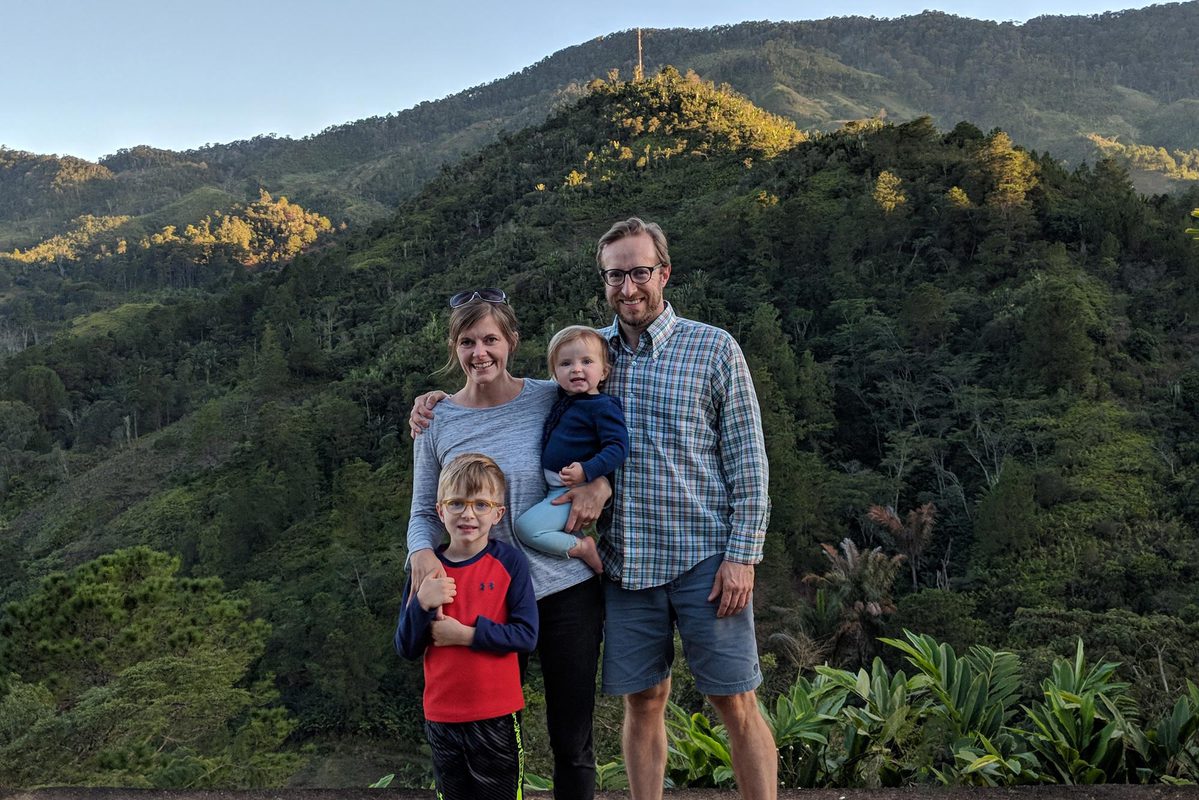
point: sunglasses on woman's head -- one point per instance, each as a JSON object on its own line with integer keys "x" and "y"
{"x": 486, "y": 295}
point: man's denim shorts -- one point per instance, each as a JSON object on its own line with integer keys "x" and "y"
{"x": 639, "y": 636}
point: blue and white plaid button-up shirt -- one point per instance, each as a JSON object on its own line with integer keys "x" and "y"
{"x": 695, "y": 482}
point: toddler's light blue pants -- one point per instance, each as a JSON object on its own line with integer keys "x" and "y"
{"x": 541, "y": 527}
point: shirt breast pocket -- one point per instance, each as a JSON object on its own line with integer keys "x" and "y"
{"x": 683, "y": 426}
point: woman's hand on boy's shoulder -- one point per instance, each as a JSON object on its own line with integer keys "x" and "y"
{"x": 422, "y": 411}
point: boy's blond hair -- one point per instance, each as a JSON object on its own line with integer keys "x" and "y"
{"x": 574, "y": 333}
{"x": 468, "y": 475}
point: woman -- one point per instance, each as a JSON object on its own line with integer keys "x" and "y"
{"x": 502, "y": 416}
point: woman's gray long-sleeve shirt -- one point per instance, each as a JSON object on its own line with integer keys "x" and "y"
{"x": 510, "y": 434}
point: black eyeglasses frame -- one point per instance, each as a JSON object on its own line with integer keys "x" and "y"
{"x": 608, "y": 274}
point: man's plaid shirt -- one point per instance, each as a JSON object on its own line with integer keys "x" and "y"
{"x": 694, "y": 484}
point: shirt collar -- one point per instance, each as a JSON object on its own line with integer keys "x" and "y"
{"x": 658, "y": 331}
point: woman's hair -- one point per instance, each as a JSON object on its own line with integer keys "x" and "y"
{"x": 471, "y": 314}
{"x": 574, "y": 333}
{"x": 470, "y": 474}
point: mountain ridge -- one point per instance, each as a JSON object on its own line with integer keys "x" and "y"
{"x": 1049, "y": 82}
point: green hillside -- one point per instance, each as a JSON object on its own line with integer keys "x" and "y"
{"x": 930, "y": 316}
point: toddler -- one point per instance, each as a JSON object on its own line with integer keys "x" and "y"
{"x": 584, "y": 437}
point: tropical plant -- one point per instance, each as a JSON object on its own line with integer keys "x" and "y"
{"x": 911, "y": 535}
{"x": 974, "y": 694}
{"x": 611, "y": 776}
{"x": 538, "y": 783}
{"x": 1170, "y": 749}
{"x": 862, "y": 581}
{"x": 802, "y": 722}
{"x": 955, "y": 722}
{"x": 1004, "y": 763}
{"x": 879, "y": 726}
{"x": 973, "y": 699}
{"x": 1079, "y": 731}
{"x": 697, "y": 751}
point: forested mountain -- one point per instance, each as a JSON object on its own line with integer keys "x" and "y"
{"x": 1050, "y": 83}
{"x": 976, "y": 368}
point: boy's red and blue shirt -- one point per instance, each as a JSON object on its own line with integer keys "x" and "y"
{"x": 495, "y": 596}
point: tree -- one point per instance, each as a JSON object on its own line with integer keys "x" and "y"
{"x": 888, "y": 192}
{"x": 772, "y": 362}
{"x": 861, "y": 581}
{"x": 1006, "y": 524}
{"x": 813, "y": 402}
{"x": 1010, "y": 172}
{"x": 40, "y": 388}
{"x": 17, "y": 425}
{"x": 1058, "y": 348}
{"x": 910, "y": 535}
{"x": 270, "y": 372}
{"x": 124, "y": 673}
{"x": 207, "y": 432}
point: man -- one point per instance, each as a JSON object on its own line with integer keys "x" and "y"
{"x": 689, "y": 516}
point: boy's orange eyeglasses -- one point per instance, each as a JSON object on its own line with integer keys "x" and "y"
{"x": 456, "y": 505}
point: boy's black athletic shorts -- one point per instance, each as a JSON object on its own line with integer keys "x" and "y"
{"x": 483, "y": 760}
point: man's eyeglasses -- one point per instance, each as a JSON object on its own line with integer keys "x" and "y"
{"x": 457, "y": 505}
{"x": 486, "y": 295}
{"x": 615, "y": 277}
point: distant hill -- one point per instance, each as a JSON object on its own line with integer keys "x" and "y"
{"x": 1050, "y": 83}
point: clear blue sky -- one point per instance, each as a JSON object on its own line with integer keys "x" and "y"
{"x": 86, "y": 77}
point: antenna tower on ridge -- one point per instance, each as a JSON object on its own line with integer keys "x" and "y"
{"x": 640, "y": 74}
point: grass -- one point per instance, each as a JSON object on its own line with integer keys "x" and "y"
{"x": 110, "y": 320}
{"x": 192, "y": 207}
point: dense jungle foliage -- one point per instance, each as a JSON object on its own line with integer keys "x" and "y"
{"x": 978, "y": 382}
{"x": 1052, "y": 83}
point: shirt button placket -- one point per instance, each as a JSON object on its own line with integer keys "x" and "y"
{"x": 632, "y": 545}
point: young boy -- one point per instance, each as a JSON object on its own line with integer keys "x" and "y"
{"x": 477, "y": 618}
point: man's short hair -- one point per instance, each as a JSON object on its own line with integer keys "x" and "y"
{"x": 631, "y": 227}
{"x": 468, "y": 475}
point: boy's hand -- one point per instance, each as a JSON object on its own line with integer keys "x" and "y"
{"x": 436, "y": 592}
{"x": 572, "y": 474}
{"x": 422, "y": 412}
{"x": 448, "y": 632}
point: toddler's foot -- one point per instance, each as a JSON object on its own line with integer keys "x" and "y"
{"x": 588, "y": 552}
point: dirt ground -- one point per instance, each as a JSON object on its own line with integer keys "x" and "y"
{"x": 1116, "y": 792}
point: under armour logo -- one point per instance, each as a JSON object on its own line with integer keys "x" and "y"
{"x": 485, "y": 586}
